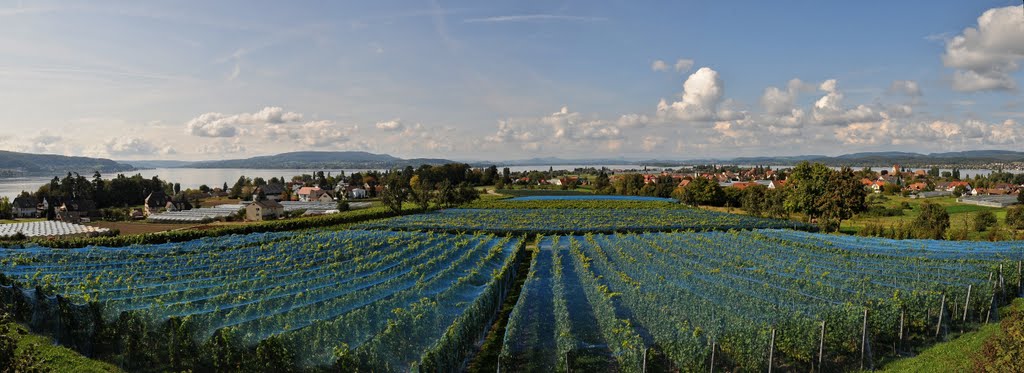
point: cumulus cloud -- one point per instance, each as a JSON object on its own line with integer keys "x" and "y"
{"x": 905, "y": 87}
{"x": 659, "y": 65}
{"x": 702, "y": 93}
{"x": 933, "y": 133}
{"x": 391, "y": 125}
{"x": 222, "y": 125}
{"x": 986, "y": 57}
{"x": 829, "y": 110}
{"x": 683, "y": 64}
{"x": 134, "y": 146}
{"x": 321, "y": 133}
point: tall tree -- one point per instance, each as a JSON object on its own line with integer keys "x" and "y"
{"x": 700, "y": 191}
{"x": 808, "y": 183}
{"x": 844, "y": 196}
{"x": 396, "y": 191}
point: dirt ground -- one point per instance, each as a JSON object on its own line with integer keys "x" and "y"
{"x": 133, "y": 227}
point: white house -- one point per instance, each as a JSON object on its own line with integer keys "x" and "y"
{"x": 357, "y": 193}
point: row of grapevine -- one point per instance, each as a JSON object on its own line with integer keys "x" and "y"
{"x": 570, "y": 220}
{"x": 748, "y": 299}
{"x": 378, "y": 299}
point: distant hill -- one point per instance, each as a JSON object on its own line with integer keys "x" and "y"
{"x": 158, "y": 164}
{"x": 317, "y": 160}
{"x": 23, "y": 164}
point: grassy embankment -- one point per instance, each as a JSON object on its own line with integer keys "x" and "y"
{"x": 41, "y": 355}
{"x": 957, "y": 355}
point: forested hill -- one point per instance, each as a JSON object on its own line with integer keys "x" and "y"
{"x": 321, "y": 160}
{"x": 967, "y": 159}
{"x": 23, "y": 164}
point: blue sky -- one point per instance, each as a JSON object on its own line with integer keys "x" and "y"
{"x": 509, "y": 80}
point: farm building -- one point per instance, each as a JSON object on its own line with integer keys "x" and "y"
{"x": 263, "y": 210}
{"x": 25, "y": 207}
{"x": 990, "y": 201}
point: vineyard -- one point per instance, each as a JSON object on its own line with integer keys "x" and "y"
{"x": 749, "y": 300}
{"x": 562, "y": 220}
{"x": 390, "y": 300}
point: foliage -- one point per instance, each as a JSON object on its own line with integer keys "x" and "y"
{"x": 568, "y": 219}
{"x": 403, "y": 298}
{"x": 700, "y": 191}
{"x": 932, "y": 222}
{"x": 984, "y": 220}
{"x": 1004, "y": 352}
{"x": 1015, "y": 216}
{"x": 672, "y": 294}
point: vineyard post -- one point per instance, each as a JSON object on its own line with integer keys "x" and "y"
{"x": 942, "y": 309}
{"x": 990, "y": 305}
{"x": 903, "y": 314}
{"x": 967, "y": 302}
{"x": 712, "y": 355}
{"x": 771, "y": 351}
{"x": 864, "y": 339}
{"x": 821, "y": 346}
{"x": 1019, "y": 288}
{"x": 644, "y": 367}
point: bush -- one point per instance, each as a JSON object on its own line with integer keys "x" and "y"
{"x": 932, "y": 222}
{"x": 880, "y": 211}
{"x": 1003, "y": 352}
{"x": 984, "y": 220}
{"x": 1015, "y": 217}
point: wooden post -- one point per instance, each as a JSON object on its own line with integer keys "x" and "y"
{"x": 903, "y": 314}
{"x": 644, "y": 368}
{"x": 990, "y": 305}
{"x": 821, "y": 346}
{"x": 967, "y": 302}
{"x": 771, "y": 351}
{"x": 712, "y": 355}
{"x": 942, "y": 309}
{"x": 864, "y": 339}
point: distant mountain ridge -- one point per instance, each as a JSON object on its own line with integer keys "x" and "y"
{"x": 19, "y": 164}
{"x": 317, "y": 159}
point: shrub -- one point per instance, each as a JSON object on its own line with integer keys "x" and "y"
{"x": 984, "y": 220}
{"x": 932, "y": 222}
{"x": 1015, "y": 217}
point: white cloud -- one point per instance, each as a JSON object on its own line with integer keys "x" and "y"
{"x": 702, "y": 93}
{"x": 906, "y": 87}
{"x": 222, "y": 125}
{"x": 134, "y": 147}
{"x": 986, "y": 57}
{"x": 318, "y": 134}
{"x": 659, "y": 65}
{"x": 391, "y": 125}
{"x": 683, "y": 64}
{"x": 829, "y": 110}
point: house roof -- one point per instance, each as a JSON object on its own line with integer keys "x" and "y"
{"x": 307, "y": 190}
{"x": 268, "y": 203}
{"x": 24, "y": 202}
{"x": 272, "y": 189}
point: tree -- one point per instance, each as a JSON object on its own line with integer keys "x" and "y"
{"x": 700, "y": 191}
{"x": 1020, "y": 197}
{"x": 1015, "y": 217}
{"x": 808, "y": 183}
{"x": 602, "y": 184}
{"x": 236, "y": 190}
{"x": 490, "y": 175}
{"x": 396, "y": 191}
{"x": 6, "y": 209}
{"x": 420, "y": 192}
{"x": 343, "y": 205}
{"x": 754, "y": 201}
{"x": 889, "y": 188}
{"x": 984, "y": 220}
{"x": 932, "y": 222}
{"x": 844, "y": 196}
{"x": 629, "y": 184}
{"x": 204, "y": 188}
{"x": 959, "y": 190}
{"x": 225, "y": 187}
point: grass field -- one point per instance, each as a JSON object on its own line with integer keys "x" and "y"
{"x": 12, "y": 221}
{"x": 52, "y": 357}
{"x": 961, "y": 216}
{"x": 138, "y": 227}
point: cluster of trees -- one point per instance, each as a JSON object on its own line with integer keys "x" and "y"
{"x": 121, "y": 191}
{"x": 822, "y": 195}
{"x": 446, "y": 186}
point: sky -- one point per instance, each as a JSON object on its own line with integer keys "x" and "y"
{"x": 502, "y": 80}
